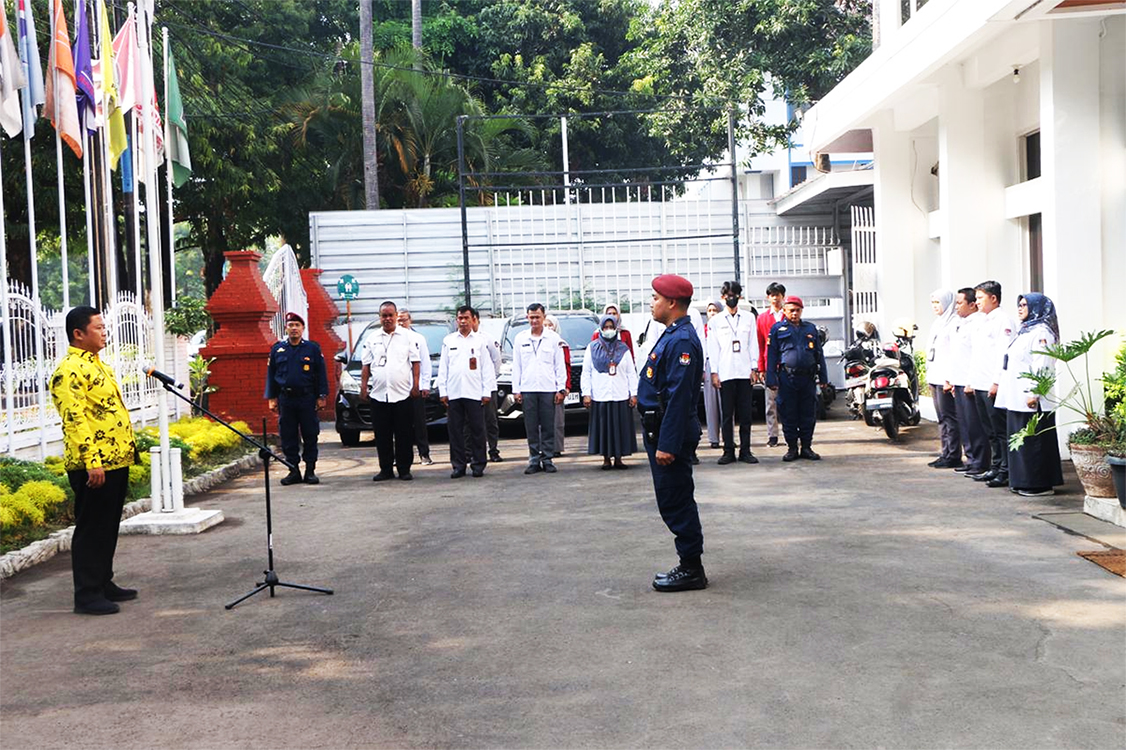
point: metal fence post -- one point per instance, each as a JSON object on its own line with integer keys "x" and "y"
{"x": 461, "y": 202}
{"x": 734, "y": 191}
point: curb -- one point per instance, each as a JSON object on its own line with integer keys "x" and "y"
{"x": 59, "y": 541}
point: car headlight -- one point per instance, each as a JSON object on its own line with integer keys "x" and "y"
{"x": 348, "y": 382}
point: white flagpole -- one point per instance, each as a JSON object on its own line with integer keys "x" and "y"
{"x": 59, "y": 170}
{"x": 156, "y": 274}
{"x": 135, "y": 162}
{"x": 168, "y": 170}
{"x": 89, "y": 222}
{"x": 107, "y": 179}
{"x": 5, "y": 329}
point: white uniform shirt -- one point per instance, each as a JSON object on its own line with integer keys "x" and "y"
{"x": 733, "y": 344}
{"x": 465, "y": 369}
{"x": 537, "y": 363}
{"x": 1013, "y": 391}
{"x": 960, "y": 368}
{"x": 940, "y": 352}
{"x": 989, "y": 342}
{"x": 425, "y": 366}
{"x": 602, "y": 386}
{"x": 389, "y": 358}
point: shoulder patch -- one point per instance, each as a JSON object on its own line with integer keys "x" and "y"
{"x": 685, "y": 358}
{"x": 783, "y": 328}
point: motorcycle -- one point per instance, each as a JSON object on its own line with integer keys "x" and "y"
{"x": 827, "y": 393}
{"x": 857, "y": 361}
{"x": 891, "y": 395}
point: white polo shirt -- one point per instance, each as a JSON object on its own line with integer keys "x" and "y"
{"x": 390, "y": 359}
{"x": 960, "y": 367}
{"x": 425, "y": 366}
{"x": 537, "y": 363}
{"x": 733, "y": 344}
{"x": 989, "y": 341}
{"x": 465, "y": 369}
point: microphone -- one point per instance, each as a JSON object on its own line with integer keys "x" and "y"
{"x": 168, "y": 380}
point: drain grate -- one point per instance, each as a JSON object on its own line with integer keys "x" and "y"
{"x": 1113, "y": 560}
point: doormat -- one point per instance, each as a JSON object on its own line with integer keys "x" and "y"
{"x": 1113, "y": 560}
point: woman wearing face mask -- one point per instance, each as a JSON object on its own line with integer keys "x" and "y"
{"x": 623, "y": 334}
{"x": 1034, "y": 469}
{"x": 711, "y": 393}
{"x": 553, "y": 323}
{"x": 609, "y": 388}
{"x": 938, "y": 359}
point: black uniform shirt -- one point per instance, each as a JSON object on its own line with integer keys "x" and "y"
{"x": 301, "y": 366}
{"x": 671, "y": 377}
{"x": 795, "y": 347}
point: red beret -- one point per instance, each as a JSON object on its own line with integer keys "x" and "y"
{"x": 672, "y": 286}
{"x": 294, "y": 316}
{"x": 794, "y": 300}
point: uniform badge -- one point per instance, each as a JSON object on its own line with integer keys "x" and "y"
{"x": 685, "y": 358}
{"x": 649, "y": 372}
{"x": 653, "y": 356}
{"x": 810, "y": 344}
{"x": 782, "y": 328}
{"x": 306, "y": 368}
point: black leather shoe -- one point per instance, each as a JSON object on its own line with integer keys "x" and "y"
{"x": 550, "y": 468}
{"x": 311, "y": 477}
{"x": 748, "y": 458}
{"x": 533, "y": 469}
{"x": 457, "y": 473}
{"x": 962, "y": 469}
{"x": 726, "y": 458}
{"x": 809, "y": 454}
{"x": 942, "y": 463}
{"x": 495, "y": 458}
{"x": 695, "y": 460}
{"x": 772, "y": 443}
{"x": 116, "y": 593}
{"x": 381, "y": 477}
{"x": 714, "y": 445}
{"x": 293, "y": 477}
{"x": 478, "y": 473}
{"x": 791, "y": 454}
{"x": 1001, "y": 480}
{"x": 681, "y": 579}
{"x": 99, "y": 607}
{"x": 984, "y": 476}
{"x": 406, "y": 476}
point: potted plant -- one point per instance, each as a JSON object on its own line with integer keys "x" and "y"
{"x": 1089, "y": 444}
{"x": 1114, "y": 393}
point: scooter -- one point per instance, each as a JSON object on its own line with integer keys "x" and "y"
{"x": 827, "y": 392}
{"x": 891, "y": 397}
{"x": 858, "y": 360}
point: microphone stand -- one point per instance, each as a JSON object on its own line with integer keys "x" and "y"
{"x": 271, "y": 581}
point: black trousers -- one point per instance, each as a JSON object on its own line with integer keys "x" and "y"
{"x": 975, "y": 440}
{"x": 298, "y": 414}
{"x": 97, "y": 516}
{"x": 492, "y": 427}
{"x": 797, "y": 407}
{"x": 421, "y": 438}
{"x": 676, "y": 501}
{"x": 993, "y": 420}
{"x": 947, "y": 413}
{"x": 394, "y": 434}
{"x": 465, "y": 418}
{"x": 735, "y": 401}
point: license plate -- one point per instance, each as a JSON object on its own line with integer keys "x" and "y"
{"x": 572, "y": 398}
{"x": 879, "y": 403}
{"x": 854, "y": 382}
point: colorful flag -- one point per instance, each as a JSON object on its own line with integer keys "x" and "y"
{"x": 33, "y": 69}
{"x": 115, "y": 118}
{"x": 62, "y": 105}
{"x": 178, "y": 135}
{"x": 12, "y": 79}
{"x": 128, "y": 63}
{"x": 83, "y": 70}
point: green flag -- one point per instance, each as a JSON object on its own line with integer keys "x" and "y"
{"x": 178, "y": 135}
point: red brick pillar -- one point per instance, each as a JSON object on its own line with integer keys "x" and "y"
{"x": 243, "y": 308}
{"x": 323, "y": 312}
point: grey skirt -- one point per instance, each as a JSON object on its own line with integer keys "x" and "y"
{"x": 612, "y": 433}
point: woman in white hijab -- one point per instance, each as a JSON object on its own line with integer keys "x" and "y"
{"x": 938, "y": 359}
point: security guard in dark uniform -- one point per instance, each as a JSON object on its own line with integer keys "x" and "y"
{"x": 794, "y": 362}
{"x": 296, "y": 386}
{"x": 666, "y": 397}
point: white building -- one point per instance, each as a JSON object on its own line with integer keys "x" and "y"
{"x": 998, "y": 129}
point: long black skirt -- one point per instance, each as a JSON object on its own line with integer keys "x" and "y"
{"x": 1036, "y": 466}
{"x": 612, "y": 433}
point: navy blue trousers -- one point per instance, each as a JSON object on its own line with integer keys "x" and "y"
{"x": 975, "y": 440}
{"x": 797, "y": 407}
{"x": 298, "y": 414}
{"x": 676, "y": 501}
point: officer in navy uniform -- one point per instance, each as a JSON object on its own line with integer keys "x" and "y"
{"x": 667, "y": 391}
{"x": 297, "y": 386}
{"x": 794, "y": 362}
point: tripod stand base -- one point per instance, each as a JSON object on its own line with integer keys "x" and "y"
{"x": 271, "y": 583}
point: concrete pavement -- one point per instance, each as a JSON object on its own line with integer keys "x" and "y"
{"x": 862, "y": 601}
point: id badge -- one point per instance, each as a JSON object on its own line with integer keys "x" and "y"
{"x": 613, "y": 369}
{"x": 382, "y": 361}
{"x": 736, "y": 346}
{"x": 1005, "y": 363}
{"x": 472, "y": 360}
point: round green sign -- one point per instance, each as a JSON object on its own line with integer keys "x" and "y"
{"x": 347, "y": 287}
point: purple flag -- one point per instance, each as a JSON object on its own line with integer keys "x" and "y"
{"x": 83, "y": 70}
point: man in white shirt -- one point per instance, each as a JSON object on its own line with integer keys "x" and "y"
{"x": 466, "y": 381}
{"x": 975, "y": 443}
{"x": 990, "y": 341}
{"x": 492, "y": 423}
{"x": 425, "y": 376}
{"x": 733, "y": 353}
{"x": 389, "y": 380}
{"x": 539, "y": 382}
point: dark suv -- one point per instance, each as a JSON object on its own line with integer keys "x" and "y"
{"x": 577, "y": 329}
{"x": 353, "y": 414}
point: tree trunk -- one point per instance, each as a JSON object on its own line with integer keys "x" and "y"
{"x": 367, "y": 81}
{"x": 213, "y": 248}
{"x": 416, "y": 24}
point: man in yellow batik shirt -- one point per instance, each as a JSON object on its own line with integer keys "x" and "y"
{"x": 99, "y": 448}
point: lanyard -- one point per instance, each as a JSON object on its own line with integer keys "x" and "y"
{"x": 734, "y": 328}
{"x": 536, "y": 344}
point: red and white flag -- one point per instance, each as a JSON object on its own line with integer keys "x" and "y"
{"x": 62, "y": 106}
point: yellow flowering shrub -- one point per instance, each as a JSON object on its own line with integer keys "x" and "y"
{"x": 17, "y": 509}
{"x": 43, "y": 495}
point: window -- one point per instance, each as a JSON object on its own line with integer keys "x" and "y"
{"x": 1032, "y": 156}
{"x": 1035, "y": 253}
{"x": 797, "y": 176}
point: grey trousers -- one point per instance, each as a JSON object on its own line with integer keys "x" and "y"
{"x": 560, "y": 427}
{"x": 539, "y": 423}
{"x": 711, "y": 409}
{"x": 492, "y": 426}
{"x": 771, "y": 413}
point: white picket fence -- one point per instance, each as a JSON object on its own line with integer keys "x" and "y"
{"x": 283, "y": 278}
{"x": 31, "y": 331}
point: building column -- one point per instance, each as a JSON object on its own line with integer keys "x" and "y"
{"x": 970, "y": 201}
{"x": 1071, "y": 171}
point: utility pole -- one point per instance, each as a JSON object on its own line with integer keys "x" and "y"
{"x": 367, "y": 82}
